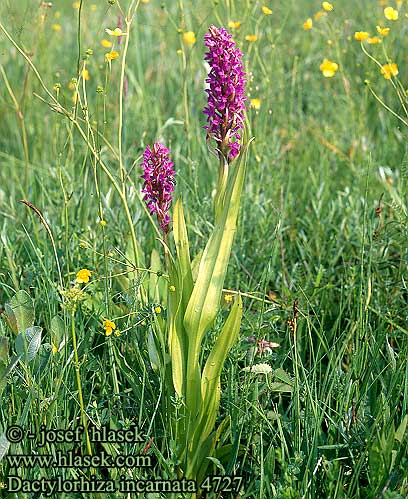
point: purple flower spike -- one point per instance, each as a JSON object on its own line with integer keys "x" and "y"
{"x": 159, "y": 182}
{"x": 225, "y": 107}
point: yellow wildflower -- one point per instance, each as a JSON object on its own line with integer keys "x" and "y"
{"x": 54, "y": 349}
{"x": 251, "y": 38}
{"x": 308, "y": 24}
{"x": 108, "y": 326}
{"x": 361, "y": 35}
{"x": 327, "y": 6}
{"x": 76, "y": 5}
{"x": 116, "y": 32}
{"x": 266, "y": 10}
{"x": 189, "y": 38}
{"x": 71, "y": 85}
{"x": 383, "y": 31}
{"x": 85, "y": 74}
{"x": 158, "y": 310}
{"x": 255, "y": 103}
{"x": 328, "y": 68}
{"x": 106, "y": 43}
{"x": 110, "y": 56}
{"x": 172, "y": 288}
{"x": 228, "y": 298}
{"x": 83, "y": 276}
{"x": 56, "y": 27}
{"x": 234, "y": 24}
{"x": 391, "y": 14}
{"x": 389, "y": 70}
{"x": 319, "y": 14}
{"x": 373, "y": 40}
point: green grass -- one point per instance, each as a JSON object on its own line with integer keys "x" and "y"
{"x": 323, "y": 224}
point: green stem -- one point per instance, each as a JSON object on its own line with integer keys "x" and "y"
{"x": 78, "y": 378}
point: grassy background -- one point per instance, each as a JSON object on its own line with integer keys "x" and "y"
{"x": 323, "y": 224}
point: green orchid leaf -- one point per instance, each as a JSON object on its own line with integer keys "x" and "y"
{"x": 203, "y": 305}
{"x": 183, "y": 249}
{"x": 210, "y": 380}
{"x": 155, "y": 266}
{"x": 177, "y": 339}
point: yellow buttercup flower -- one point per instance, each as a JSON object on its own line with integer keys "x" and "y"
{"x": 389, "y": 70}
{"x": 234, "y": 24}
{"x": 108, "y": 326}
{"x": 308, "y": 24}
{"x": 83, "y": 276}
{"x": 189, "y": 38}
{"x": 85, "y": 74}
{"x": 319, "y": 14}
{"x": 106, "y": 43}
{"x": 383, "y": 31}
{"x": 54, "y": 349}
{"x": 361, "y": 35}
{"x": 373, "y": 40}
{"x": 56, "y": 27}
{"x": 116, "y": 32}
{"x": 110, "y": 56}
{"x": 327, "y": 6}
{"x": 328, "y": 68}
{"x": 158, "y": 310}
{"x": 228, "y": 298}
{"x": 266, "y": 10}
{"x": 172, "y": 288}
{"x": 391, "y": 14}
{"x": 255, "y": 103}
{"x": 251, "y": 38}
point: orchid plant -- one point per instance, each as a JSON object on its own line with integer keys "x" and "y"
{"x": 193, "y": 306}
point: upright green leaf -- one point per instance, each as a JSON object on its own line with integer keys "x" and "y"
{"x": 28, "y": 342}
{"x": 183, "y": 249}
{"x": 155, "y": 266}
{"x": 177, "y": 340}
{"x": 203, "y": 305}
{"x": 210, "y": 380}
{"x": 22, "y": 307}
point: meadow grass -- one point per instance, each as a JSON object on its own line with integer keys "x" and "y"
{"x": 320, "y": 255}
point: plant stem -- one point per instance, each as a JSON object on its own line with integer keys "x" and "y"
{"x": 78, "y": 379}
